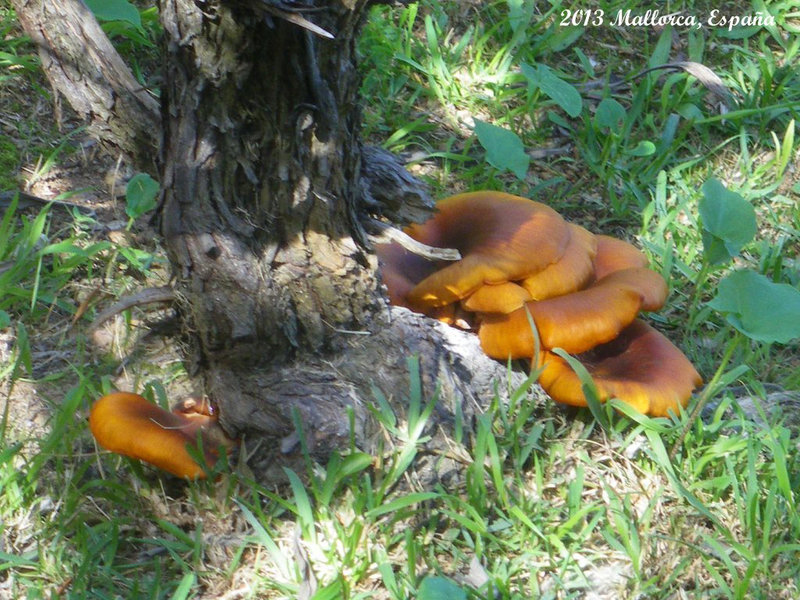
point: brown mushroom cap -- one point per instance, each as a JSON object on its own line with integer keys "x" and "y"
{"x": 401, "y": 270}
{"x": 571, "y": 272}
{"x": 616, "y": 255}
{"x": 575, "y": 322}
{"x": 500, "y": 237}
{"x": 128, "y": 424}
{"x": 640, "y": 367}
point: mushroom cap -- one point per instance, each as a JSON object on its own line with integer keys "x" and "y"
{"x": 501, "y": 298}
{"x": 640, "y": 367}
{"x": 129, "y": 424}
{"x": 616, "y": 255}
{"x": 571, "y": 272}
{"x": 575, "y": 322}
{"x": 500, "y": 237}
{"x": 401, "y": 270}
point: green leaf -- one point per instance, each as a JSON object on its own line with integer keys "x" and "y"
{"x": 400, "y": 503}
{"x": 729, "y": 222}
{"x": 761, "y": 309}
{"x": 115, "y": 10}
{"x": 5, "y": 319}
{"x": 440, "y": 588}
{"x": 504, "y": 149}
{"x": 185, "y": 587}
{"x": 610, "y": 114}
{"x": 519, "y": 13}
{"x": 661, "y": 53}
{"x": 558, "y": 90}
{"x": 643, "y": 148}
{"x": 140, "y": 195}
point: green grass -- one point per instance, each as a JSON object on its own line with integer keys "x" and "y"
{"x": 541, "y": 502}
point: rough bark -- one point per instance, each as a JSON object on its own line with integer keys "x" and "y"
{"x": 81, "y": 64}
{"x": 264, "y": 195}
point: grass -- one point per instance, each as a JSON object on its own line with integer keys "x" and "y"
{"x": 541, "y": 502}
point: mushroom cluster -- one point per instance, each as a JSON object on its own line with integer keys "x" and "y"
{"x": 129, "y": 424}
{"x": 522, "y": 262}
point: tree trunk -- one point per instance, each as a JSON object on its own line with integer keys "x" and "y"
{"x": 82, "y": 65}
{"x": 260, "y": 175}
{"x": 264, "y": 194}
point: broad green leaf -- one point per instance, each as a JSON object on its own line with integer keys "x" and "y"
{"x": 504, "y": 149}
{"x": 140, "y": 195}
{"x": 610, "y": 114}
{"x": 761, "y": 309}
{"x": 440, "y": 588}
{"x": 115, "y": 10}
{"x": 729, "y": 222}
{"x": 558, "y": 90}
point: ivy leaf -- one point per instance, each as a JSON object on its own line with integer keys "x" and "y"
{"x": 504, "y": 149}
{"x": 761, "y": 309}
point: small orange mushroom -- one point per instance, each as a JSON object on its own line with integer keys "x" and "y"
{"x": 575, "y": 322}
{"x": 129, "y": 424}
{"x": 640, "y": 367}
{"x": 500, "y": 237}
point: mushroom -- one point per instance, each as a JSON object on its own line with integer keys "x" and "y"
{"x": 129, "y": 424}
{"x": 615, "y": 255}
{"x": 571, "y": 272}
{"x": 401, "y": 270}
{"x": 575, "y": 322}
{"x": 501, "y": 298}
{"x": 500, "y": 237}
{"x": 522, "y": 267}
{"x": 640, "y": 367}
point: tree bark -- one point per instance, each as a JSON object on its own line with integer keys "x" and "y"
{"x": 264, "y": 192}
{"x": 81, "y": 64}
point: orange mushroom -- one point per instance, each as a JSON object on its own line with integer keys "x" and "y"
{"x": 129, "y": 424}
{"x": 575, "y": 322}
{"x": 500, "y": 237}
{"x": 571, "y": 272}
{"x": 521, "y": 260}
{"x": 640, "y": 367}
{"x": 501, "y": 298}
{"x": 615, "y": 255}
{"x": 401, "y": 270}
